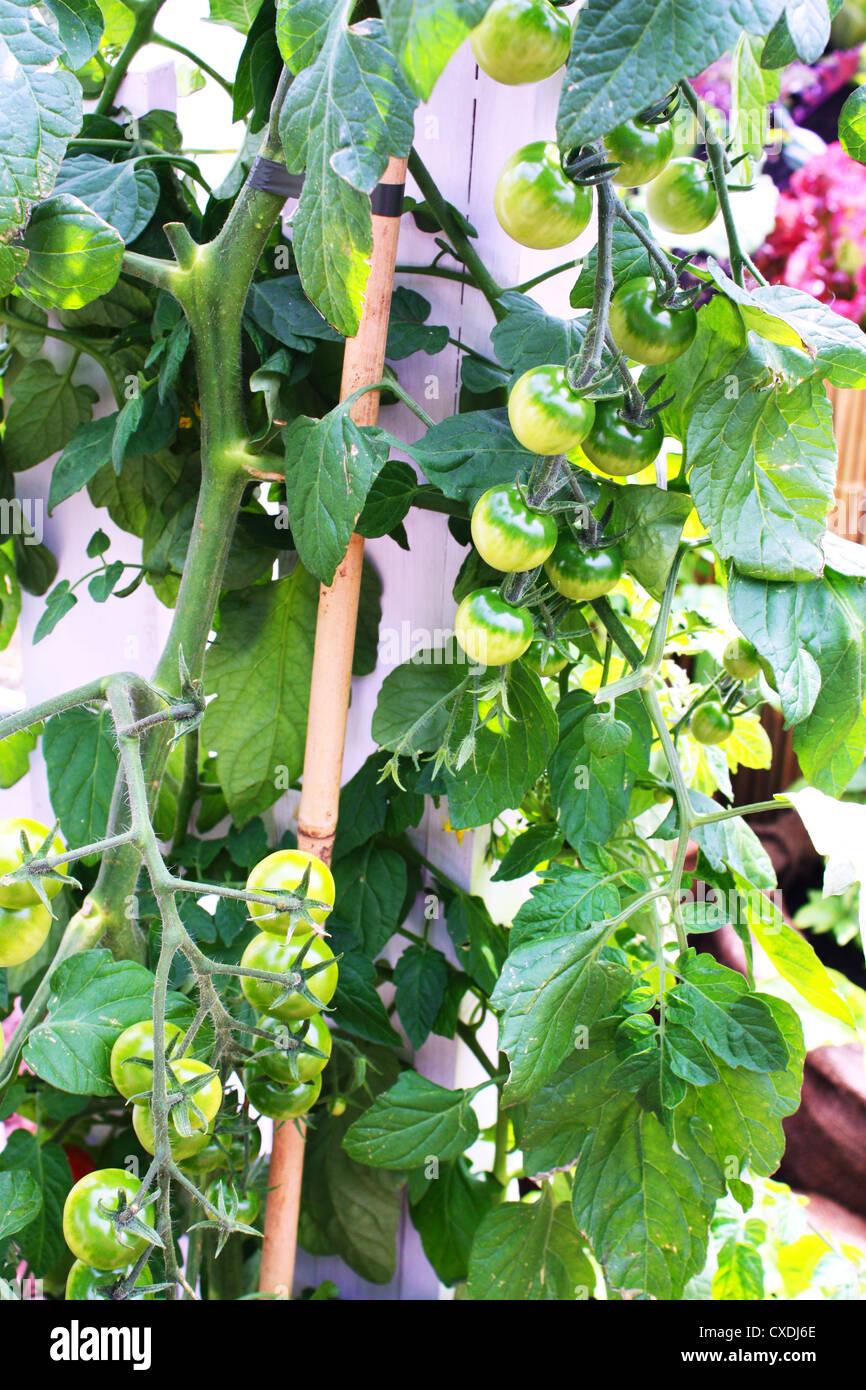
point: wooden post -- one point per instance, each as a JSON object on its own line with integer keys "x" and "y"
{"x": 330, "y": 688}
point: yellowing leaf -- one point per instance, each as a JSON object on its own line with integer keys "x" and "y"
{"x": 749, "y": 745}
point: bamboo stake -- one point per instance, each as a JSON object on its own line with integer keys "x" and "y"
{"x": 330, "y": 688}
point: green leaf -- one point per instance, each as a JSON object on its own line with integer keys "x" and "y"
{"x": 559, "y": 1115}
{"x": 260, "y": 667}
{"x": 358, "y": 1005}
{"x": 591, "y": 793}
{"x": 15, "y": 750}
{"x": 412, "y": 1122}
{"x": 41, "y": 1242}
{"x": 93, "y": 998}
{"x": 371, "y": 889}
{"x": 425, "y": 33}
{"x": 812, "y": 634}
{"x": 35, "y": 564}
{"x": 752, "y": 89}
{"x": 414, "y": 702}
{"x": 408, "y": 329}
{"x": 80, "y": 26}
{"x": 526, "y": 1252}
{"x": 42, "y": 111}
{"x": 74, "y": 256}
{"x": 80, "y": 755}
{"x": 717, "y": 346}
{"x": 640, "y": 1203}
{"x": 762, "y": 472}
{"x": 740, "y": 1270}
{"x": 347, "y": 1208}
{"x": 546, "y": 989}
{"x": 389, "y": 499}
{"x": 420, "y": 977}
{"x": 531, "y": 848}
{"x": 466, "y": 454}
{"x": 330, "y": 464}
{"x": 46, "y": 411}
{"x": 526, "y": 335}
{"x": 281, "y": 308}
{"x": 503, "y": 769}
{"x": 12, "y": 261}
{"x": 59, "y": 602}
{"x": 630, "y": 258}
{"x": 627, "y": 54}
{"x": 566, "y": 900}
{"x": 801, "y": 31}
{"x": 792, "y": 955}
{"x": 124, "y": 194}
{"x": 480, "y": 943}
{"x": 238, "y": 13}
{"x": 654, "y": 521}
{"x": 20, "y": 1201}
{"x": 715, "y": 1004}
{"x": 363, "y": 807}
{"x": 347, "y": 111}
{"x": 366, "y": 652}
{"x": 448, "y": 1215}
{"x": 728, "y": 844}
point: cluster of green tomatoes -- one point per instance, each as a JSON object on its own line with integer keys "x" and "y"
{"x": 541, "y": 206}
{"x": 282, "y": 1079}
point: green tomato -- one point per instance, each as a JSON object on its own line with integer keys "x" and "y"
{"x": 279, "y": 1102}
{"x": 491, "y": 631}
{"x": 224, "y": 1150}
{"x": 279, "y": 1052}
{"x": 84, "y": 1284}
{"x": 23, "y": 932}
{"x": 508, "y": 534}
{"x": 536, "y": 203}
{"x": 543, "y": 658}
{"x": 852, "y": 126}
{"x": 521, "y": 41}
{"x": 617, "y": 446}
{"x": 682, "y": 199}
{"x": 246, "y": 1204}
{"x": 267, "y": 952}
{"x": 207, "y": 1098}
{"x": 740, "y": 660}
{"x": 131, "y": 1078}
{"x": 545, "y": 414}
{"x": 281, "y": 872}
{"x": 644, "y": 329}
{"x": 15, "y": 895}
{"x": 711, "y": 723}
{"x": 499, "y": 724}
{"x": 641, "y": 151}
{"x": 91, "y": 1234}
{"x": 583, "y": 572}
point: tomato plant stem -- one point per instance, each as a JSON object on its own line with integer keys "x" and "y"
{"x": 462, "y": 245}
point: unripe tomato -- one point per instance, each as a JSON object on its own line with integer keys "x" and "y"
{"x": 278, "y": 1102}
{"x": 131, "y": 1078}
{"x": 711, "y": 723}
{"x": 23, "y": 932}
{"x": 208, "y": 1099}
{"x": 536, "y": 203}
{"x": 617, "y": 446}
{"x": 543, "y": 658}
{"x": 682, "y": 199}
{"x": 546, "y": 415}
{"x": 91, "y": 1236}
{"x": 278, "y": 1054}
{"x": 281, "y": 872}
{"x": 521, "y": 41}
{"x": 15, "y": 895}
{"x": 499, "y": 724}
{"x": 583, "y": 572}
{"x": 246, "y": 1206}
{"x": 642, "y": 151}
{"x": 84, "y": 1284}
{"x": 224, "y": 1150}
{"x": 740, "y": 660}
{"x": 644, "y": 329}
{"x": 491, "y": 631}
{"x": 267, "y": 952}
{"x": 508, "y": 534}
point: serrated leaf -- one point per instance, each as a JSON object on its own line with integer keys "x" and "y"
{"x": 358, "y": 1005}
{"x": 80, "y": 27}
{"x": 73, "y": 255}
{"x": 124, "y": 194}
{"x": 45, "y": 412}
{"x": 418, "y": 693}
{"x": 413, "y": 1121}
{"x": 281, "y": 308}
{"x": 371, "y": 889}
{"x": 259, "y": 667}
{"x": 420, "y": 977}
{"x": 425, "y": 33}
{"x": 527, "y": 335}
{"x": 79, "y": 749}
{"x": 716, "y": 1005}
{"x": 654, "y": 521}
{"x": 20, "y": 1201}
{"x": 531, "y": 848}
{"x": 408, "y": 329}
{"x": 740, "y": 1269}
{"x": 346, "y": 112}
{"x": 480, "y": 944}
{"x": 448, "y": 1215}
{"x": 41, "y": 1241}
{"x": 566, "y": 900}
{"x": 466, "y": 454}
{"x": 238, "y": 13}
{"x": 530, "y": 1252}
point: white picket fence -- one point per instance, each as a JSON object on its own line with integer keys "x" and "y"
{"x": 464, "y": 135}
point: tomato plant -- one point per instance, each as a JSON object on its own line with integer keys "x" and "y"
{"x": 580, "y": 710}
